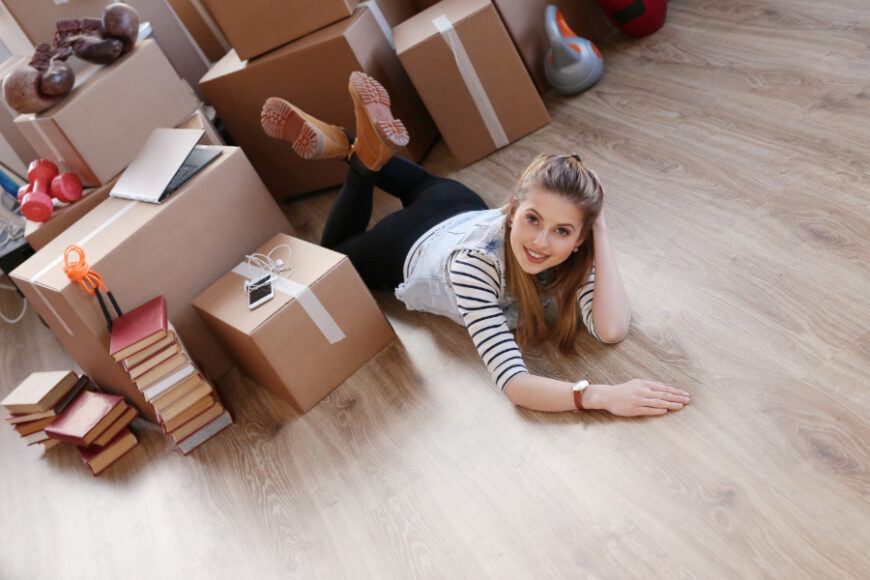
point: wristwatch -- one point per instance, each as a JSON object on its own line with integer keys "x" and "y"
{"x": 578, "y": 388}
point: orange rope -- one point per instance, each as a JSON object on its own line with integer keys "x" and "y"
{"x": 80, "y": 272}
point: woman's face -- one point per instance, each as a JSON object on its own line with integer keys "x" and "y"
{"x": 545, "y": 229}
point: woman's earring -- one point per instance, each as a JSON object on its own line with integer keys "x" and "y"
{"x": 577, "y": 249}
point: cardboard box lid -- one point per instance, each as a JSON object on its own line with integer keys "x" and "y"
{"x": 226, "y": 299}
{"x": 420, "y": 28}
{"x": 45, "y": 268}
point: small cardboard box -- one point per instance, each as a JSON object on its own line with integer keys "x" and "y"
{"x": 38, "y": 234}
{"x": 97, "y": 129}
{"x": 468, "y": 73}
{"x": 320, "y": 327}
{"x": 176, "y": 248}
{"x": 312, "y": 73}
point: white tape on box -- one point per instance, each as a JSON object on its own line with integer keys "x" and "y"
{"x": 381, "y": 20}
{"x": 306, "y": 298}
{"x": 472, "y": 81}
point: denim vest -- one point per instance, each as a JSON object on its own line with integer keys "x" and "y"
{"x": 427, "y": 285}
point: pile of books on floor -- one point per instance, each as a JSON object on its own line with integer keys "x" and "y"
{"x": 59, "y": 406}
{"x": 187, "y": 406}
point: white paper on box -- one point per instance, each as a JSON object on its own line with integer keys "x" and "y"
{"x": 306, "y": 298}
{"x": 472, "y": 81}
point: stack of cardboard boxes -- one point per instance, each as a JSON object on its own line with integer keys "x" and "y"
{"x": 304, "y": 51}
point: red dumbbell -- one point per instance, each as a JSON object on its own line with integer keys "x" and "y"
{"x": 45, "y": 183}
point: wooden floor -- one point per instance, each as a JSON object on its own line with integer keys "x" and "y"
{"x": 733, "y": 145}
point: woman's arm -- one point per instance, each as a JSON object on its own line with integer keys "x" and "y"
{"x": 610, "y": 312}
{"x": 633, "y": 398}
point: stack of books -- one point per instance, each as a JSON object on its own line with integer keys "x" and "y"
{"x": 38, "y": 400}
{"x": 98, "y": 423}
{"x": 187, "y": 406}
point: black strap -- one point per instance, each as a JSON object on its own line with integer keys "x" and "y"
{"x": 105, "y": 310}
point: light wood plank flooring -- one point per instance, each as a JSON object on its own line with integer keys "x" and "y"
{"x": 733, "y": 145}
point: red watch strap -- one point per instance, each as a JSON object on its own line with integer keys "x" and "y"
{"x": 578, "y": 400}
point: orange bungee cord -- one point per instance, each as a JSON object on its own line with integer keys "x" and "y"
{"x": 79, "y": 271}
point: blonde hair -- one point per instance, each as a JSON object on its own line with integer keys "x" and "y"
{"x": 566, "y": 176}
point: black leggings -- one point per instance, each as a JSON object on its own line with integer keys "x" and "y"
{"x": 379, "y": 253}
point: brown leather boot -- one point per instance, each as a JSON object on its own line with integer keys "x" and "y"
{"x": 378, "y": 134}
{"x": 311, "y": 138}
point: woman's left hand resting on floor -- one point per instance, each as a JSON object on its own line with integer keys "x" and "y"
{"x": 630, "y": 399}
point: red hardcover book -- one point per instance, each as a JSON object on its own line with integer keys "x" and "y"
{"x": 86, "y": 417}
{"x": 138, "y": 328}
{"x": 100, "y": 458}
{"x": 117, "y": 426}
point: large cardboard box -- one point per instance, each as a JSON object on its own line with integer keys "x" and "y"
{"x": 320, "y": 327}
{"x": 38, "y": 234}
{"x": 313, "y": 74}
{"x": 37, "y": 19}
{"x": 467, "y": 71}
{"x": 97, "y": 129}
{"x": 177, "y": 248}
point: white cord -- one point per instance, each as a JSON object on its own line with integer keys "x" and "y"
{"x": 265, "y": 262}
{"x": 23, "y": 307}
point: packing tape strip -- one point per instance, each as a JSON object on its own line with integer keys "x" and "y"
{"x": 57, "y": 261}
{"x": 472, "y": 81}
{"x": 381, "y": 20}
{"x": 315, "y": 310}
{"x": 212, "y": 26}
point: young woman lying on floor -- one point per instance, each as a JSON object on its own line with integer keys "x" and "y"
{"x": 490, "y": 270}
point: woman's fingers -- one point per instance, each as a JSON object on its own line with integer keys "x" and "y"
{"x": 668, "y": 392}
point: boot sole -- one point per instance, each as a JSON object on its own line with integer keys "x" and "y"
{"x": 376, "y": 104}
{"x": 282, "y": 120}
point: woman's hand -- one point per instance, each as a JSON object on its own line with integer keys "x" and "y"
{"x": 635, "y": 398}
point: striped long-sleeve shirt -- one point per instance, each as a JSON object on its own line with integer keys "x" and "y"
{"x": 475, "y": 280}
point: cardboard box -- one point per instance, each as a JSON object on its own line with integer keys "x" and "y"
{"x": 467, "y": 71}
{"x": 37, "y": 19}
{"x": 38, "y": 234}
{"x": 320, "y": 327}
{"x": 103, "y": 122}
{"x": 177, "y": 248}
{"x": 202, "y": 28}
{"x": 199, "y": 120}
{"x": 15, "y": 152}
{"x": 313, "y": 74}
{"x": 255, "y": 27}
